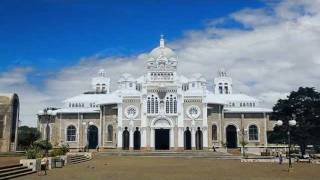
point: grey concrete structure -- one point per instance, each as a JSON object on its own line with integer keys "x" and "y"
{"x": 9, "y": 120}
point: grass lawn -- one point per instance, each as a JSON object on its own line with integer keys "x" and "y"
{"x": 165, "y": 168}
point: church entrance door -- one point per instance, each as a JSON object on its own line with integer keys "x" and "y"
{"x": 125, "y": 139}
{"x": 137, "y": 138}
{"x": 93, "y": 137}
{"x": 187, "y": 139}
{"x": 231, "y": 133}
{"x": 162, "y": 139}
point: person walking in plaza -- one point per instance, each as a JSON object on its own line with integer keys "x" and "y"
{"x": 44, "y": 165}
{"x": 280, "y": 158}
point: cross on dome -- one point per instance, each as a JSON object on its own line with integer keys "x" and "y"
{"x": 161, "y": 41}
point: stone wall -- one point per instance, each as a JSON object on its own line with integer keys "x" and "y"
{"x": 9, "y": 119}
{"x": 215, "y": 118}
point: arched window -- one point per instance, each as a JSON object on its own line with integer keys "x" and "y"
{"x": 48, "y": 131}
{"x": 253, "y": 133}
{"x": 226, "y": 90}
{"x": 214, "y": 132}
{"x": 148, "y": 105}
{"x": 220, "y": 88}
{"x": 167, "y": 105}
{"x": 98, "y": 87}
{"x": 156, "y": 106}
{"x": 71, "y": 133}
{"x": 152, "y": 104}
{"x": 175, "y": 105}
{"x": 110, "y": 133}
{"x": 171, "y": 104}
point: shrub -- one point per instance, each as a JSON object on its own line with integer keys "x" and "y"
{"x": 42, "y": 144}
{"x": 59, "y": 151}
{"x": 56, "y": 152}
{"x": 33, "y": 153}
{"x": 65, "y": 148}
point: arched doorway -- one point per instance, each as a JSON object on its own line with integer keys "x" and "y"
{"x": 92, "y": 137}
{"x": 187, "y": 139}
{"x": 125, "y": 139}
{"x": 162, "y": 134}
{"x": 15, "y": 118}
{"x": 231, "y": 136}
{"x": 136, "y": 139}
{"x": 199, "y": 145}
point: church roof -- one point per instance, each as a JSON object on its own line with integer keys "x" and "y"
{"x": 213, "y": 99}
{"x": 248, "y": 110}
{"x": 98, "y": 98}
{"x": 76, "y": 110}
{"x": 235, "y": 97}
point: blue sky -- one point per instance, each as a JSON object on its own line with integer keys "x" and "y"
{"x": 48, "y": 35}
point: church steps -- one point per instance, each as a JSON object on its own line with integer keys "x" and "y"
{"x": 13, "y": 171}
{"x": 215, "y": 155}
{"x": 75, "y": 159}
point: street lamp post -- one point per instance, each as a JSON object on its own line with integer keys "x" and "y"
{"x": 84, "y": 124}
{"x": 292, "y": 123}
{"x": 87, "y": 125}
{"x": 243, "y": 132}
{"x": 47, "y": 114}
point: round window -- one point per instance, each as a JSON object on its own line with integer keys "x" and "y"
{"x": 131, "y": 112}
{"x": 193, "y": 112}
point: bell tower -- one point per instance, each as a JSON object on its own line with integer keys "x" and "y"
{"x": 222, "y": 83}
{"x": 101, "y": 83}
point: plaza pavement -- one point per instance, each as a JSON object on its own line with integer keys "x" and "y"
{"x": 173, "y": 168}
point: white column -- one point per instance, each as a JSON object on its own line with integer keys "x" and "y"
{"x": 101, "y": 128}
{"x": 131, "y": 138}
{"x": 119, "y": 137}
{"x": 119, "y": 144}
{"x": 152, "y": 138}
{"x": 266, "y": 117}
{"x": 78, "y": 132}
{"x": 172, "y": 137}
{"x": 180, "y": 137}
{"x": 205, "y": 116}
{"x": 143, "y": 137}
{"x": 193, "y": 137}
{"x": 60, "y": 130}
{"x": 205, "y": 137}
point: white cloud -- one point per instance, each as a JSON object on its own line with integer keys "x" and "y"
{"x": 278, "y": 54}
{"x": 31, "y": 98}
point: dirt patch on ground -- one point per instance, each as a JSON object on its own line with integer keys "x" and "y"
{"x": 170, "y": 168}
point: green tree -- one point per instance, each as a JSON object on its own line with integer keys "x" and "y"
{"x": 27, "y": 136}
{"x": 304, "y": 106}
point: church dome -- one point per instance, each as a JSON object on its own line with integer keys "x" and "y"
{"x": 162, "y": 50}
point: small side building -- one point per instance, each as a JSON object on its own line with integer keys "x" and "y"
{"x": 9, "y": 119}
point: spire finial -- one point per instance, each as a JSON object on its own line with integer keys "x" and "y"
{"x": 161, "y": 41}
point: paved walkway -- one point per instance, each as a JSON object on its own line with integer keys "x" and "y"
{"x": 6, "y": 161}
{"x": 173, "y": 168}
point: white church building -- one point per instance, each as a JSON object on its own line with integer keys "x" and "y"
{"x": 160, "y": 110}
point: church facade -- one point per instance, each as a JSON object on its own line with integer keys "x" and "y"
{"x": 160, "y": 110}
